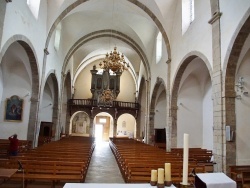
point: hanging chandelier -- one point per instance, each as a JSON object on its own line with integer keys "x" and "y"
{"x": 114, "y": 61}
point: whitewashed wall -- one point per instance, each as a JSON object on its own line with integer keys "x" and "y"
{"x": 207, "y": 118}
{"x": 197, "y": 38}
{"x": 189, "y": 114}
{"x": 232, "y": 15}
{"x": 126, "y": 125}
{"x": 18, "y": 15}
{"x": 242, "y": 113}
{"x": 15, "y": 80}
{"x": 160, "y": 112}
{"x": 47, "y": 103}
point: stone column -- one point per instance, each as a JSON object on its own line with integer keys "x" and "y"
{"x": 219, "y": 144}
{"x": 2, "y": 17}
{"x": 138, "y": 125}
{"x": 91, "y": 128}
{"x": 33, "y": 127}
{"x": 56, "y": 127}
{"x": 67, "y": 122}
{"x": 147, "y": 123}
{"x": 151, "y": 127}
{"x": 115, "y": 128}
{"x": 168, "y": 127}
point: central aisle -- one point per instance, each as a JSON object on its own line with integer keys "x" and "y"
{"x": 103, "y": 167}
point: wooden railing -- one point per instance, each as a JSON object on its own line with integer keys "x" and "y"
{"x": 93, "y": 103}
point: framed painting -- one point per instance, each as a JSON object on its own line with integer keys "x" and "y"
{"x": 14, "y": 109}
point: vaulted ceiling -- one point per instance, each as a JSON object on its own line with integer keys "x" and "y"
{"x": 91, "y": 28}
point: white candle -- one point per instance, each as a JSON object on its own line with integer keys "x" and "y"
{"x": 153, "y": 175}
{"x": 167, "y": 172}
{"x": 185, "y": 160}
{"x": 160, "y": 176}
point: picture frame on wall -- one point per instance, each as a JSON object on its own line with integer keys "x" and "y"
{"x": 14, "y": 109}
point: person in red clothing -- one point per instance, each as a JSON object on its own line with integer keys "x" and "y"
{"x": 13, "y": 145}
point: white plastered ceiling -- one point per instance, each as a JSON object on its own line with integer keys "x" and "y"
{"x": 132, "y": 21}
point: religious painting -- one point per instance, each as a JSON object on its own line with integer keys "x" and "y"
{"x": 14, "y": 109}
{"x": 81, "y": 123}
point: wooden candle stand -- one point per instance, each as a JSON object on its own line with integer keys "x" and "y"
{"x": 153, "y": 183}
{"x": 168, "y": 183}
{"x": 159, "y": 185}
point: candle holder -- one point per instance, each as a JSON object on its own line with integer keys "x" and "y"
{"x": 184, "y": 186}
{"x": 168, "y": 183}
{"x": 153, "y": 183}
{"x": 159, "y": 185}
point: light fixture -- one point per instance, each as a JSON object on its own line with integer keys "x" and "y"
{"x": 114, "y": 61}
{"x": 240, "y": 84}
{"x": 240, "y": 89}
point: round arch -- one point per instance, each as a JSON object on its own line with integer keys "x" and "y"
{"x": 175, "y": 88}
{"x": 28, "y": 47}
{"x": 55, "y": 129}
{"x": 229, "y": 74}
{"x": 80, "y": 123}
{"x": 159, "y": 84}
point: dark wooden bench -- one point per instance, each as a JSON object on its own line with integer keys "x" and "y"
{"x": 236, "y": 172}
{"x": 136, "y": 160}
{"x": 245, "y": 179}
{"x": 54, "y": 171}
{"x": 65, "y": 160}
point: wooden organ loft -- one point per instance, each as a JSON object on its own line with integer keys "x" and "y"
{"x": 105, "y": 87}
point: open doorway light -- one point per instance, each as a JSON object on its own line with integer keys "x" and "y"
{"x": 98, "y": 132}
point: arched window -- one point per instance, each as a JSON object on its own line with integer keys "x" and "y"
{"x": 187, "y": 14}
{"x": 57, "y": 36}
{"x": 34, "y": 6}
{"x": 158, "y": 47}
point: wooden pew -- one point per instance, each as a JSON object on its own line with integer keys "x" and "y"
{"x": 236, "y": 172}
{"x": 24, "y": 145}
{"x": 53, "y": 171}
{"x": 140, "y": 174}
{"x": 136, "y": 160}
{"x": 65, "y": 160}
{"x": 245, "y": 179}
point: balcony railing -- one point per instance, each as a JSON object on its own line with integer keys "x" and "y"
{"x": 94, "y": 103}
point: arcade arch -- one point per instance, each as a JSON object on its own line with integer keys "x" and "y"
{"x": 191, "y": 104}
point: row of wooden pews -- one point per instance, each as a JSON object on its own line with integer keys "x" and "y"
{"x": 24, "y": 145}
{"x": 136, "y": 160}
{"x": 66, "y": 160}
{"x": 200, "y": 155}
{"x": 240, "y": 174}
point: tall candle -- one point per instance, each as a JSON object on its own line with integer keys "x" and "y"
{"x": 185, "y": 160}
{"x": 153, "y": 175}
{"x": 167, "y": 171}
{"x": 160, "y": 176}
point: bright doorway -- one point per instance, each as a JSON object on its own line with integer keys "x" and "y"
{"x": 98, "y": 132}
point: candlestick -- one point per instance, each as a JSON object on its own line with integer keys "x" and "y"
{"x": 185, "y": 160}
